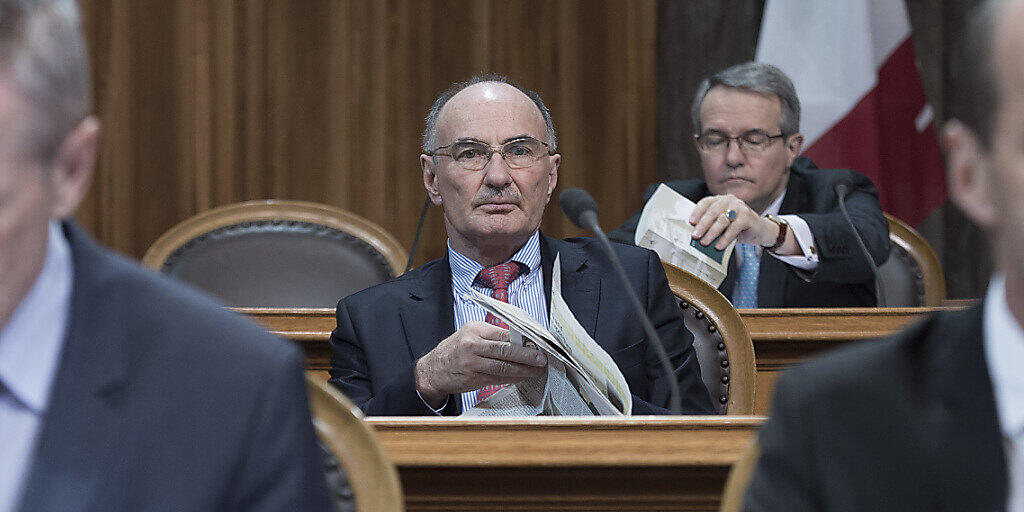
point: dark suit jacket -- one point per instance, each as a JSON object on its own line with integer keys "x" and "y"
{"x": 842, "y": 278}
{"x": 384, "y": 330}
{"x": 163, "y": 401}
{"x": 902, "y": 424}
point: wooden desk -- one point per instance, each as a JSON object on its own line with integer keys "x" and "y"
{"x": 782, "y": 337}
{"x": 639, "y": 463}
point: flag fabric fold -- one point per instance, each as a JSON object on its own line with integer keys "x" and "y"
{"x": 863, "y": 102}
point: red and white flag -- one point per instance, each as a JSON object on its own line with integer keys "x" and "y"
{"x": 864, "y": 107}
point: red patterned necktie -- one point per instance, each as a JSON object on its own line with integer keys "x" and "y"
{"x": 497, "y": 278}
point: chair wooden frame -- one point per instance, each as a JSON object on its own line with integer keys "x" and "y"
{"x": 931, "y": 269}
{"x": 734, "y": 494}
{"x": 340, "y": 426}
{"x": 738, "y": 346}
{"x": 277, "y": 209}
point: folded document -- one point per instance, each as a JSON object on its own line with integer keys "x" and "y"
{"x": 664, "y": 228}
{"x": 582, "y": 379}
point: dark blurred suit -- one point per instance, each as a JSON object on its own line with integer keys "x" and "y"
{"x": 902, "y": 424}
{"x": 163, "y": 401}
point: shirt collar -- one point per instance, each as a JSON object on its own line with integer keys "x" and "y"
{"x": 773, "y": 209}
{"x": 32, "y": 340}
{"x": 465, "y": 270}
{"x": 1003, "y": 340}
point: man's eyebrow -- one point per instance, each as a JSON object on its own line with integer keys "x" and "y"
{"x": 521, "y": 136}
{"x": 468, "y": 139}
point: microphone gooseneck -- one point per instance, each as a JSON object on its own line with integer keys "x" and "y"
{"x": 842, "y": 188}
{"x": 581, "y": 209}
{"x": 419, "y": 231}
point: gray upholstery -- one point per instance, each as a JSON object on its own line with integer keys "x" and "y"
{"x": 278, "y": 264}
{"x": 711, "y": 354}
{"x": 902, "y": 278}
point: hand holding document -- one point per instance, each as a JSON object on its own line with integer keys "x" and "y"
{"x": 664, "y": 228}
{"x": 582, "y": 378}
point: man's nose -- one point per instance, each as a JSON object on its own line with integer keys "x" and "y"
{"x": 734, "y": 156}
{"x": 497, "y": 173}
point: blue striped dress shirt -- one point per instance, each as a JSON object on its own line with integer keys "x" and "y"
{"x": 526, "y": 292}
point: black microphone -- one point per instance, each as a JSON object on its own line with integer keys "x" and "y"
{"x": 842, "y": 188}
{"x": 419, "y": 231}
{"x": 581, "y": 209}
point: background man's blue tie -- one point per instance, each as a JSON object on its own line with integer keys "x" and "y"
{"x": 744, "y": 295}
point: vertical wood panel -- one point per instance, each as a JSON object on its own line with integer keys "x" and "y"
{"x": 205, "y": 103}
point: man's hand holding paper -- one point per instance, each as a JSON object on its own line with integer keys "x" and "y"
{"x": 477, "y": 355}
{"x": 725, "y": 219}
{"x": 667, "y": 226}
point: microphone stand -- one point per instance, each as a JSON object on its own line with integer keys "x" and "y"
{"x": 588, "y": 219}
{"x": 419, "y": 231}
{"x": 879, "y": 286}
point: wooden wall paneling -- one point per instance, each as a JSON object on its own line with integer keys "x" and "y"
{"x": 208, "y": 103}
{"x": 102, "y": 24}
{"x": 202, "y": 100}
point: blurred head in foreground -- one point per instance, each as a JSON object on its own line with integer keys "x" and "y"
{"x": 48, "y": 144}
{"x": 984, "y": 140}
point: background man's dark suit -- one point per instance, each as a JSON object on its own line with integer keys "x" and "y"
{"x": 842, "y": 278}
{"x": 384, "y": 330}
{"x": 903, "y": 424}
{"x": 162, "y": 401}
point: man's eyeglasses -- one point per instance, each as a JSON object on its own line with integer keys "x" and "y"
{"x": 473, "y": 155}
{"x": 754, "y": 141}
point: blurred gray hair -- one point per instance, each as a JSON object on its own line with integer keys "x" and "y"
{"x": 43, "y": 53}
{"x": 430, "y": 132}
{"x": 972, "y": 88}
{"x": 755, "y": 77}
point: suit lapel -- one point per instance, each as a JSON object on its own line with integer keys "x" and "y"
{"x": 82, "y": 426}
{"x": 961, "y": 428}
{"x": 730, "y": 277}
{"x": 428, "y": 312}
{"x": 581, "y": 287}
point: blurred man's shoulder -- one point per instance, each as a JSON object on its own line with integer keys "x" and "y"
{"x": 889, "y": 366}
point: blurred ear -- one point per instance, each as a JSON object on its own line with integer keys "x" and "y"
{"x": 556, "y": 159}
{"x": 969, "y": 170}
{"x": 72, "y": 168}
{"x": 430, "y": 178}
{"x": 794, "y": 144}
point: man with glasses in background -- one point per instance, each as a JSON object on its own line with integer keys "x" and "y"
{"x": 794, "y": 248}
{"x": 416, "y": 346}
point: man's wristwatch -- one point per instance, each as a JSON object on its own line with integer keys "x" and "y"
{"x": 783, "y": 229}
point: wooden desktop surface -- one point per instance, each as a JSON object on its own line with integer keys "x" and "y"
{"x": 782, "y": 337}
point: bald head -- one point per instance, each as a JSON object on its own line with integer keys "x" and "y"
{"x": 479, "y": 108}
{"x": 495, "y": 84}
